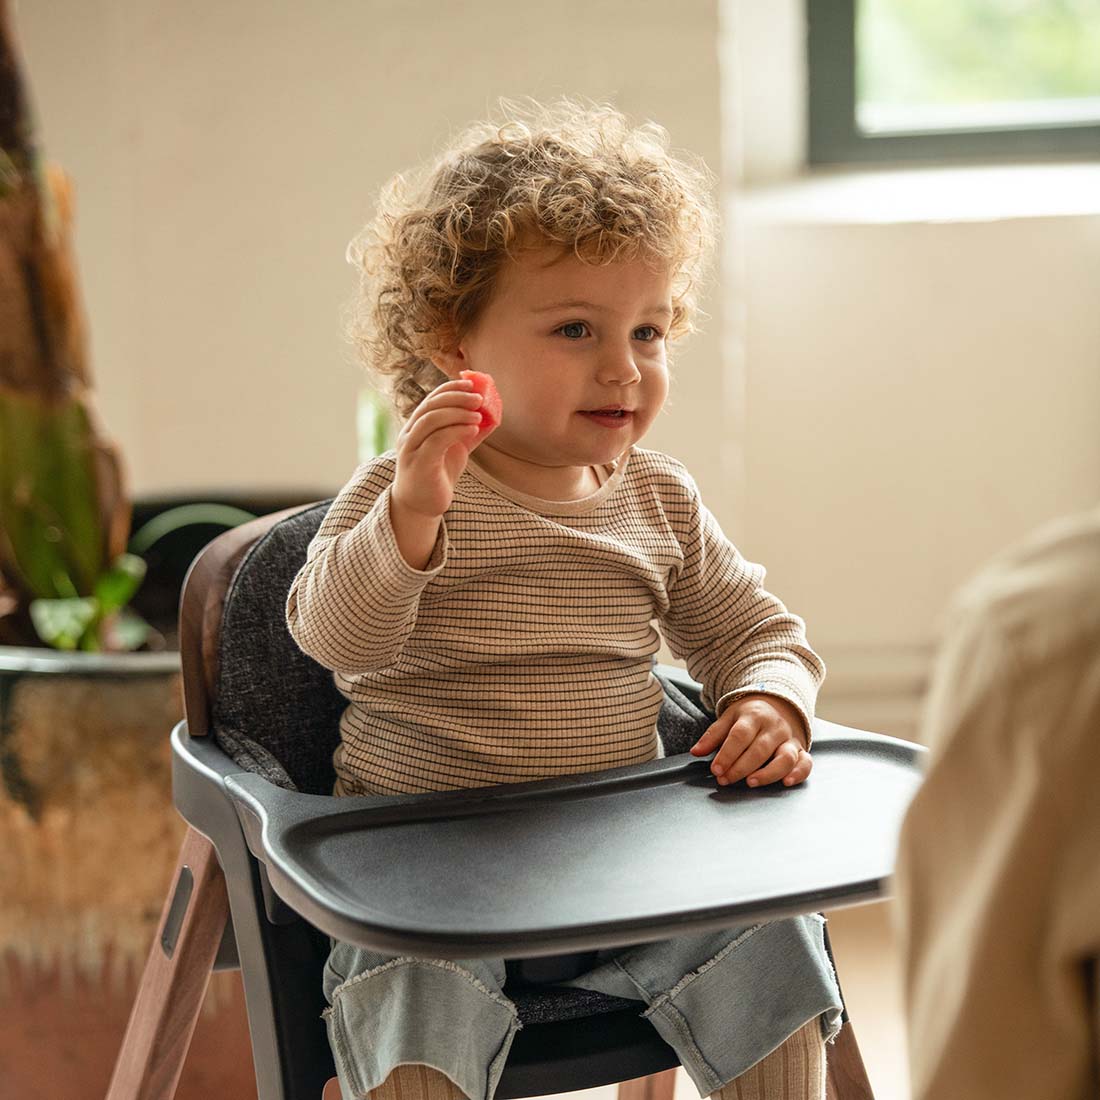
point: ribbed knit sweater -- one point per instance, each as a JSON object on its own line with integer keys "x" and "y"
{"x": 524, "y": 649}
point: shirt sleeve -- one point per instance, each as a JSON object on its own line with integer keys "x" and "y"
{"x": 735, "y": 637}
{"x": 354, "y": 603}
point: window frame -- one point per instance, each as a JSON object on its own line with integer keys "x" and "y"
{"x": 834, "y": 137}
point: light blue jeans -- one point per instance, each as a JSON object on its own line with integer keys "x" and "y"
{"x": 722, "y": 1000}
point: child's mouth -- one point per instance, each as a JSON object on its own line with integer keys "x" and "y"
{"x": 609, "y": 418}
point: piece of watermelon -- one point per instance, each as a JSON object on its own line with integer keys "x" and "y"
{"x": 491, "y": 408}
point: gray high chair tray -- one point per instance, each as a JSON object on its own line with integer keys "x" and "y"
{"x": 633, "y": 854}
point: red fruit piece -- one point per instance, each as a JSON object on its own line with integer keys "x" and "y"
{"x": 491, "y": 408}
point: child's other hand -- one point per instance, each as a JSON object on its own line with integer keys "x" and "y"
{"x": 762, "y": 739}
{"x": 433, "y": 446}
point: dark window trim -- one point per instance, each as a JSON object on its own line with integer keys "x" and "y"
{"x": 834, "y": 138}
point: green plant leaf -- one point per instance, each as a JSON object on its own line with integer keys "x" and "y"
{"x": 186, "y": 515}
{"x": 116, "y": 588}
{"x": 125, "y": 631}
{"x": 50, "y": 526}
{"x": 374, "y": 424}
{"x": 64, "y": 623}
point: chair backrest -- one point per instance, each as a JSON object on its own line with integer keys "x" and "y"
{"x": 271, "y": 698}
{"x": 271, "y": 708}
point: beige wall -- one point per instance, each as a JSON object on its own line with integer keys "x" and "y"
{"x": 919, "y": 354}
{"x": 933, "y": 404}
{"x": 887, "y": 392}
{"x": 224, "y": 154}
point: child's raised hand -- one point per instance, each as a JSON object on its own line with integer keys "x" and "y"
{"x": 762, "y": 739}
{"x": 433, "y": 446}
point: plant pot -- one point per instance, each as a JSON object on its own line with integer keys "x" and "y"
{"x": 90, "y": 839}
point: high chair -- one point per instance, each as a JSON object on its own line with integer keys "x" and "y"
{"x": 272, "y": 866}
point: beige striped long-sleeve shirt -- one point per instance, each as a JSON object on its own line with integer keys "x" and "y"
{"x": 524, "y": 649}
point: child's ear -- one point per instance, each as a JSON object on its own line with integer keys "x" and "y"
{"x": 451, "y": 362}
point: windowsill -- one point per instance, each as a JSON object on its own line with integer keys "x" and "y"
{"x": 968, "y": 193}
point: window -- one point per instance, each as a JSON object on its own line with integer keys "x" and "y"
{"x": 940, "y": 79}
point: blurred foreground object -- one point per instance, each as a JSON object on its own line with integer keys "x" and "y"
{"x": 998, "y": 877}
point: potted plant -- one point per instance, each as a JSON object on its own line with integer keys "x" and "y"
{"x": 89, "y": 679}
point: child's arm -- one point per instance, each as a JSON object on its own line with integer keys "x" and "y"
{"x": 751, "y": 655}
{"x": 354, "y": 603}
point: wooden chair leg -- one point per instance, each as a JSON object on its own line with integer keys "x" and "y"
{"x": 846, "y": 1077}
{"x": 174, "y": 981}
{"x": 657, "y": 1086}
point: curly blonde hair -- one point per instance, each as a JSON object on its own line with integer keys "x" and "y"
{"x": 567, "y": 175}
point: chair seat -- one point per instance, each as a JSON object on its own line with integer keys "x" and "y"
{"x": 571, "y": 1055}
{"x": 544, "y": 1005}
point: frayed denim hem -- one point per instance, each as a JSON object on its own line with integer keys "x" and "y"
{"x": 369, "y": 1038}
{"x": 746, "y": 1000}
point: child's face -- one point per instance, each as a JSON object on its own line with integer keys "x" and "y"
{"x": 555, "y": 364}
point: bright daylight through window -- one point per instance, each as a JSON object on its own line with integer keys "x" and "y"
{"x": 936, "y": 65}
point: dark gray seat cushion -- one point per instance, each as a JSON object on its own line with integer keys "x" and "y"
{"x": 275, "y": 710}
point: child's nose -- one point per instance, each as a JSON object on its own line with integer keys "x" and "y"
{"x": 618, "y": 369}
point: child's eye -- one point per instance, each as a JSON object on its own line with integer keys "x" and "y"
{"x": 570, "y": 330}
{"x": 564, "y": 329}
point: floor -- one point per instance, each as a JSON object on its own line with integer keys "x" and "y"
{"x": 63, "y": 1041}
{"x": 866, "y": 963}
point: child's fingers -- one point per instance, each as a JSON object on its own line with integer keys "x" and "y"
{"x": 455, "y": 384}
{"x": 712, "y": 736}
{"x": 439, "y": 399}
{"x": 801, "y": 770}
{"x": 435, "y": 421}
{"x": 487, "y": 430}
{"x": 442, "y": 440}
{"x": 745, "y": 750}
{"x": 781, "y": 764}
{"x": 453, "y": 402}
{"x": 447, "y": 392}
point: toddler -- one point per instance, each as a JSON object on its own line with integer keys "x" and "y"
{"x": 486, "y": 598}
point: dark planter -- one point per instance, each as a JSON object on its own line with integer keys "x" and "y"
{"x": 90, "y": 840}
